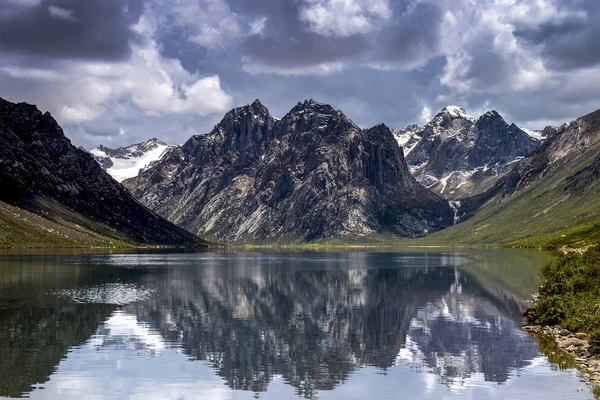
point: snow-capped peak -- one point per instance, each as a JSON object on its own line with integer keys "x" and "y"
{"x": 457, "y": 112}
{"x": 126, "y": 162}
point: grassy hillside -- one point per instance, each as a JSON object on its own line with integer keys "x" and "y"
{"x": 20, "y": 228}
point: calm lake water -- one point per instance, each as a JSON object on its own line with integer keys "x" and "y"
{"x": 328, "y": 325}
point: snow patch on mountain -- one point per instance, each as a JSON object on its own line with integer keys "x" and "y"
{"x": 407, "y": 138}
{"x": 127, "y": 162}
{"x": 534, "y": 134}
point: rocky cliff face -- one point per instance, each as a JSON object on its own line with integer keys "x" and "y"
{"x": 311, "y": 175}
{"x": 37, "y": 162}
{"x": 126, "y": 162}
{"x": 456, "y": 154}
{"x": 572, "y": 148}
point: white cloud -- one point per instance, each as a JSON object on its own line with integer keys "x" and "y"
{"x": 74, "y": 115}
{"x": 426, "y": 114}
{"x": 488, "y": 56}
{"x": 258, "y": 68}
{"x": 61, "y": 13}
{"x": 213, "y": 24}
{"x": 157, "y": 85}
{"x": 344, "y": 17}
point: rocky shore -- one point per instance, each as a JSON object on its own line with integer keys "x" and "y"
{"x": 576, "y": 345}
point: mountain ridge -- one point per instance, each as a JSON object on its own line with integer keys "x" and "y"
{"x": 457, "y": 155}
{"x": 42, "y": 173}
{"x": 548, "y": 199}
{"x": 313, "y": 174}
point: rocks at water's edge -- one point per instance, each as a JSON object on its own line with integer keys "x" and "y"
{"x": 575, "y": 344}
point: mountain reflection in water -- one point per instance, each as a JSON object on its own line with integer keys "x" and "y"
{"x": 310, "y": 319}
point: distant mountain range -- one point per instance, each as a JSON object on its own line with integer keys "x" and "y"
{"x": 54, "y": 194}
{"x": 457, "y": 155}
{"x": 312, "y": 175}
{"x": 454, "y": 155}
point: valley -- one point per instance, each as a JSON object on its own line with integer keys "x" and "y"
{"x": 311, "y": 178}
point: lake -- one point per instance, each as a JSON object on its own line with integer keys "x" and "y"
{"x": 274, "y": 325}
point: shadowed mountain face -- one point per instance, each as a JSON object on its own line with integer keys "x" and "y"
{"x": 311, "y": 175}
{"x": 41, "y": 171}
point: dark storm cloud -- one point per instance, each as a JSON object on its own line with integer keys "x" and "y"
{"x": 303, "y": 50}
{"x": 570, "y": 41}
{"x": 100, "y": 130}
{"x": 286, "y": 43}
{"x": 413, "y": 36}
{"x": 91, "y": 29}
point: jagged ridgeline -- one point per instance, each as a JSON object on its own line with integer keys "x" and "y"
{"x": 53, "y": 193}
{"x": 457, "y": 155}
{"x": 311, "y": 175}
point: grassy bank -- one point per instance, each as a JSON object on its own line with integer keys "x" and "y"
{"x": 570, "y": 295}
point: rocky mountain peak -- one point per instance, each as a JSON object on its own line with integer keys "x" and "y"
{"x": 313, "y": 106}
{"x": 490, "y": 115}
{"x": 455, "y": 148}
{"x": 382, "y": 127}
{"x": 244, "y": 126}
{"x": 311, "y": 116}
{"x": 450, "y": 118}
{"x": 255, "y": 109}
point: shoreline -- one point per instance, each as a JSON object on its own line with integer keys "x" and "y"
{"x": 577, "y": 347}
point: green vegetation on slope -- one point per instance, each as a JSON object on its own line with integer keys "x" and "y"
{"x": 21, "y": 228}
{"x": 570, "y": 294}
{"x": 549, "y": 212}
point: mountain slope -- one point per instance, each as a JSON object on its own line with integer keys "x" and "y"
{"x": 549, "y": 198}
{"x": 457, "y": 155}
{"x": 43, "y": 173}
{"x": 126, "y": 162}
{"x": 311, "y": 175}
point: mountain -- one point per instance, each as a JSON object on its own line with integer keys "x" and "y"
{"x": 313, "y": 174}
{"x": 549, "y": 198}
{"x": 457, "y": 155}
{"x": 126, "y": 162}
{"x": 56, "y": 194}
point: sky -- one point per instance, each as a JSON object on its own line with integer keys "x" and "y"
{"x": 117, "y": 72}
